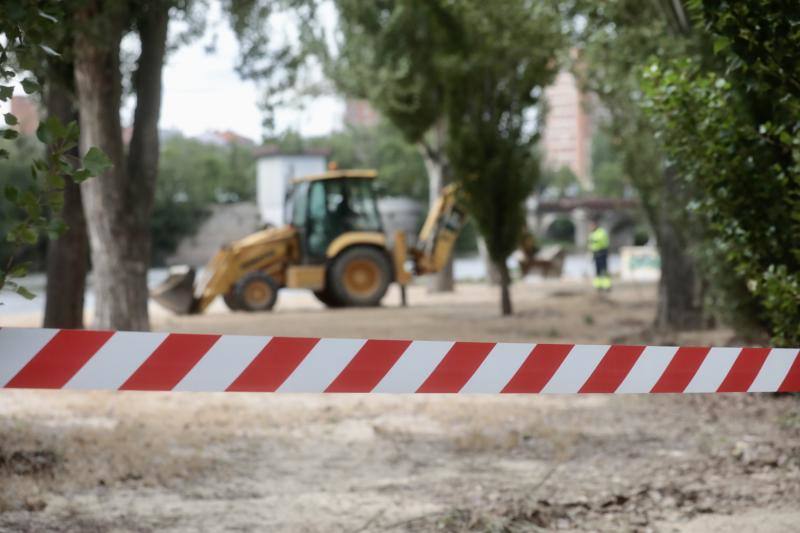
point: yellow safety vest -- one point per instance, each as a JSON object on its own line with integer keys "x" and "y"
{"x": 598, "y": 240}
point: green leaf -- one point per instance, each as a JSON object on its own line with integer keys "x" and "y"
{"x": 721, "y": 43}
{"x": 81, "y": 175}
{"x": 11, "y": 193}
{"x": 96, "y": 162}
{"x": 29, "y": 85}
{"x": 19, "y": 271}
{"x": 10, "y": 134}
{"x": 25, "y": 293}
{"x": 56, "y": 228}
{"x": 10, "y": 119}
{"x": 56, "y": 180}
{"x": 43, "y": 134}
{"x": 3, "y": 153}
{"x": 6, "y": 92}
{"x": 28, "y": 235}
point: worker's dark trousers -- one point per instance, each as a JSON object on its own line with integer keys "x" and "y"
{"x": 602, "y": 280}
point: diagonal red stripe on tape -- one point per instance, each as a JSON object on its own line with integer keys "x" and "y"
{"x": 456, "y": 367}
{"x": 170, "y": 362}
{"x": 612, "y": 369}
{"x": 274, "y": 363}
{"x": 744, "y": 370}
{"x": 792, "y": 381}
{"x": 60, "y": 359}
{"x": 369, "y": 365}
{"x": 681, "y": 369}
{"x": 538, "y": 368}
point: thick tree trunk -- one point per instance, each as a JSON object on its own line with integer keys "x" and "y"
{"x": 67, "y": 256}
{"x": 680, "y": 290}
{"x": 433, "y": 158}
{"x": 505, "y": 288}
{"x": 118, "y": 203}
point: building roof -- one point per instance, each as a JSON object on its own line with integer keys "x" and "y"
{"x": 333, "y": 174}
{"x": 273, "y": 150}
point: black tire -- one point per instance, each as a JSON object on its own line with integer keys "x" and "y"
{"x": 326, "y": 297}
{"x": 255, "y": 291}
{"x": 360, "y": 276}
{"x": 230, "y": 300}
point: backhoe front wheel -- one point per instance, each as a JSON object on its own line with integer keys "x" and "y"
{"x": 230, "y": 299}
{"x": 256, "y": 291}
{"x": 360, "y": 276}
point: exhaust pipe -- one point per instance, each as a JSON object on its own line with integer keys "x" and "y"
{"x": 176, "y": 293}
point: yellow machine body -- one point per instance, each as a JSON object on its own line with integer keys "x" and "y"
{"x": 279, "y": 258}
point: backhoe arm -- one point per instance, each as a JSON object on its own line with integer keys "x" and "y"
{"x": 439, "y": 233}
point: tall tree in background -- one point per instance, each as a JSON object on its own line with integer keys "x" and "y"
{"x": 615, "y": 42}
{"x": 396, "y": 55}
{"x": 507, "y": 57}
{"x": 118, "y": 204}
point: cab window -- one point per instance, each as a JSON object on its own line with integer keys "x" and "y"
{"x": 363, "y": 206}
{"x": 299, "y": 203}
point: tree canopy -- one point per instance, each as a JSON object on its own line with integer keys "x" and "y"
{"x": 731, "y": 126}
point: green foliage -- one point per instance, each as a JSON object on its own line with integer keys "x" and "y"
{"x": 397, "y": 55}
{"x": 735, "y": 135}
{"x": 470, "y": 70}
{"x": 33, "y": 203}
{"x": 562, "y": 231}
{"x": 193, "y": 175}
{"x": 561, "y": 182}
{"x": 505, "y": 59}
{"x": 608, "y": 169}
{"x": 275, "y": 59}
{"x": 15, "y": 174}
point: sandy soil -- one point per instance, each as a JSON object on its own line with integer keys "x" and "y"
{"x": 72, "y": 461}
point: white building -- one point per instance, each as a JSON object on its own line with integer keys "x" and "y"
{"x": 274, "y": 172}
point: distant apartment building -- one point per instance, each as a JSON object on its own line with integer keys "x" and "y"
{"x": 27, "y": 112}
{"x": 567, "y": 134}
{"x": 359, "y": 113}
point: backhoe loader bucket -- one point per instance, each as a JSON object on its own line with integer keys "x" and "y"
{"x": 176, "y": 293}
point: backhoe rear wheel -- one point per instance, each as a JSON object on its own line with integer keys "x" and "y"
{"x": 255, "y": 291}
{"x": 326, "y": 297}
{"x": 360, "y": 276}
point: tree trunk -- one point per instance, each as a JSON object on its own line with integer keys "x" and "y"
{"x": 433, "y": 157}
{"x": 505, "y": 288}
{"x": 119, "y": 202}
{"x": 492, "y": 274}
{"x": 680, "y": 289}
{"x": 67, "y": 256}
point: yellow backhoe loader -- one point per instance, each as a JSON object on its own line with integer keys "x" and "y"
{"x": 334, "y": 245}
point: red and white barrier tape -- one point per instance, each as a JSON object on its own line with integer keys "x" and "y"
{"x": 73, "y": 359}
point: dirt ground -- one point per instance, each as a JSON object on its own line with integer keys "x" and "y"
{"x": 77, "y": 461}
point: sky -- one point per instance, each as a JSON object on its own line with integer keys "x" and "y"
{"x": 202, "y": 93}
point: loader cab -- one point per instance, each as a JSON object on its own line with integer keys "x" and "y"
{"x": 324, "y": 207}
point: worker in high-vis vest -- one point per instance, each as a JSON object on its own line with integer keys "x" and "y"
{"x": 598, "y": 245}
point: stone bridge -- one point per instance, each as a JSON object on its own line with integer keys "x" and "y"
{"x": 568, "y": 218}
